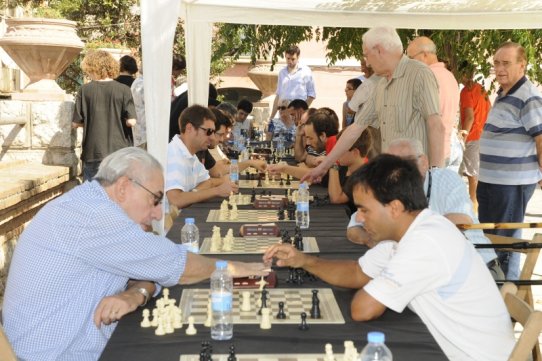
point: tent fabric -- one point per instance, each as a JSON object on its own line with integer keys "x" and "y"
{"x": 159, "y": 18}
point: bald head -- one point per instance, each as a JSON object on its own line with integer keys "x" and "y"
{"x": 423, "y": 49}
{"x": 412, "y": 149}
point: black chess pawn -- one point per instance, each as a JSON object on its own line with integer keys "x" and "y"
{"x": 303, "y": 326}
{"x": 281, "y": 183}
{"x": 259, "y": 182}
{"x": 285, "y": 237}
{"x": 253, "y": 196}
{"x": 281, "y": 315}
{"x": 299, "y": 276}
{"x": 269, "y": 193}
{"x": 280, "y": 213}
{"x": 315, "y": 309}
{"x": 286, "y": 192}
{"x": 298, "y": 242}
{"x": 288, "y": 180}
{"x": 264, "y": 301}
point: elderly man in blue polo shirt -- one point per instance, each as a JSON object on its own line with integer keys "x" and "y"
{"x": 510, "y": 149}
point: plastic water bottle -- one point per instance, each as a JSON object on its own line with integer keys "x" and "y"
{"x": 302, "y": 218}
{"x": 221, "y": 302}
{"x": 234, "y": 171}
{"x": 271, "y": 128}
{"x": 190, "y": 235}
{"x": 376, "y": 349}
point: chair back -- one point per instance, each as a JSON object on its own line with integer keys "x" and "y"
{"x": 531, "y": 321}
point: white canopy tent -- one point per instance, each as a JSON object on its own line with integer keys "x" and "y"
{"x": 159, "y": 19}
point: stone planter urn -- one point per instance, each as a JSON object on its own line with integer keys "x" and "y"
{"x": 43, "y": 49}
{"x": 265, "y": 79}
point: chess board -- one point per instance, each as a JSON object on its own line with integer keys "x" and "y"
{"x": 271, "y": 184}
{"x": 194, "y": 302}
{"x": 248, "y": 216}
{"x": 271, "y": 357}
{"x": 256, "y": 245}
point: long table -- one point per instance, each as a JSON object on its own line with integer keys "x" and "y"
{"x": 406, "y": 335}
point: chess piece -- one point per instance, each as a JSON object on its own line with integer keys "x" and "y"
{"x": 315, "y": 309}
{"x": 281, "y": 315}
{"x": 288, "y": 180}
{"x": 154, "y": 322}
{"x": 281, "y": 183}
{"x": 303, "y": 326}
{"x": 178, "y": 318}
{"x": 291, "y": 276}
{"x": 329, "y": 353}
{"x": 165, "y": 294}
{"x": 146, "y": 322}
{"x": 191, "y": 330}
{"x": 262, "y": 283}
{"x": 350, "y": 352}
{"x": 259, "y": 182}
{"x": 253, "y": 196}
{"x": 245, "y": 303}
{"x": 264, "y": 301}
{"x": 265, "y": 323}
{"x": 209, "y": 319}
{"x": 160, "y": 331}
{"x": 232, "y": 356}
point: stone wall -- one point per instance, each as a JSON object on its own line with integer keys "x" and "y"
{"x": 39, "y": 131}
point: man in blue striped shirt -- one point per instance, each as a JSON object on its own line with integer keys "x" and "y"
{"x": 510, "y": 148}
{"x": 85, "y": 261}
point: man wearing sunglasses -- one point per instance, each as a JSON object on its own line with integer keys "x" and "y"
{"x": 85, "y": 261}
{"x": 187, "y": 180}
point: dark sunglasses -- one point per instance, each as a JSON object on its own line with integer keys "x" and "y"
{"x": 208, "y": 131}
{"x": 157, "y": 197}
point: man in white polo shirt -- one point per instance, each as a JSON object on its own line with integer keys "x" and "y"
{"x": 187, "y": 180}
{"x": 422, "y": 261}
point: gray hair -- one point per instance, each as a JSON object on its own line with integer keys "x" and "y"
{"x": 384, "y": 36}
{"x": 133, "y": 162}
{"x": 414, "y": 144}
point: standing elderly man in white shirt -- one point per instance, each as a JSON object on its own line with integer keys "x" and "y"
{"x": 295, "y": 81}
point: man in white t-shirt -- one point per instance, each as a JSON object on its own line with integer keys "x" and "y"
{"x": 421, "y": 261}
{"x": 187, "y": 180}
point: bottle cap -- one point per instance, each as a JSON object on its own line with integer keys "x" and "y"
{"x": 189, "y": 221}
{"x": 221, "y": 265}
{"x": 376, "y": 337}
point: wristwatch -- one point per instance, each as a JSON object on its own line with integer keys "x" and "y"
{"x": 145, "y": 294}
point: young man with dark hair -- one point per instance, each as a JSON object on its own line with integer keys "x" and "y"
{"x": 187, "y": 180}
{"x": 242, "y": 124}
{"x": 422, "y": 261}
{"x": 294, "y": 81}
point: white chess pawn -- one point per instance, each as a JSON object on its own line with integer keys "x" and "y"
{"x": 329, "y": 353}
{"x": 154, "y": 322}
{"x": 191, "y": 330}
{"x": 349, "y": 351}
{"x": 265, "y": 323}
{"x": 146, "y": 322}
{"x": 245, "y": 303}
{"x": 178, "y": 318}
{"x": 160, "y": 331}
{"x": 209, "y": 320}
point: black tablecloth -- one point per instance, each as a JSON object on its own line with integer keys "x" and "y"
{"x": 406, "y": 335}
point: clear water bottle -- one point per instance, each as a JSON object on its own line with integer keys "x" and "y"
{"x": 271, "y": 127}
{"x": 376, "y": 349}
{"x": 234, "y": 171}
{"x": 221, "y": 302}
{"x": 190, "y": 235}
{"x": 302, "y": 218}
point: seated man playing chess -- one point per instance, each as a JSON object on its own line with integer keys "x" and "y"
{"x": 187, "y": 180}
{"x": 421, "y": 261}
{"x": 85, "y": 261}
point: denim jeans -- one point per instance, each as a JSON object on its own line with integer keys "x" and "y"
{"x": 499, "y": 203}
{"x": 90, "y": 169}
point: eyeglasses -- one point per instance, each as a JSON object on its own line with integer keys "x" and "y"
{"x": 157, "y": 197}
{"x": 415, "y": 55}
{"x": 208, "y": 131}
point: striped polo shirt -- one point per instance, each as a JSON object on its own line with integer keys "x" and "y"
{"x": 507, "y": 146}
{"x": 401, "y": 106}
